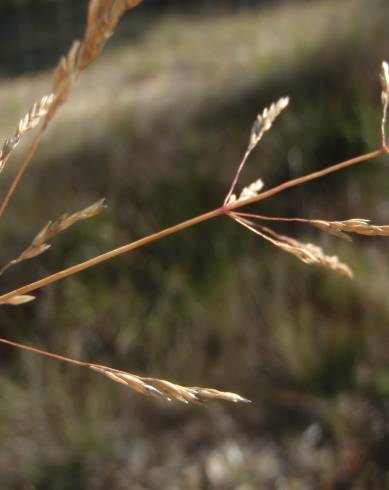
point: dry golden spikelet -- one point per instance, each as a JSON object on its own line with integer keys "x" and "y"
{"x": 66, "y": 66}
{"x": 18, "y": 300}
{"x": 27, "y": 123}
{"x": 39, "y": 245}
{"x": 65, "y": 221}
{"x": 205, "y": 394}
{"x": 355, "y": 225}
{"x": 339, "y": 229}
{"x": 93, "y": 13}
{"x": 165, "y": 389}
{"x": 262, "y": 124}
{"x": 172, "y": 391}
{"x": 384, "y": 77}
{"x": 308, "y": 253}
{"x": 251, "y": 190}
{"x": 265, "y": 120}
{"x": 313, "y": 255}
{"x": 103, "y": 18}
{"x": 127, "y": 379}
{"x": 328, "y": 227}
{"x": 65, "y": 76}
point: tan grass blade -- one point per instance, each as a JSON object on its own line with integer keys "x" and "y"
{"x": 306, "y": 252}
{"x": 53, "y": 228}
{"x": 26, "y": 124}
{"x": 166, "y": 389}
{"x": 263, "y": 123}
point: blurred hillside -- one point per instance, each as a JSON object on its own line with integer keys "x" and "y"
{"x": 157, "y": 125}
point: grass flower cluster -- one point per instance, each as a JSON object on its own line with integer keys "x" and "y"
{"x": 103, "y": 17}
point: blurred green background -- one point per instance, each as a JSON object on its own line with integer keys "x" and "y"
{"x": 157, "y": 125}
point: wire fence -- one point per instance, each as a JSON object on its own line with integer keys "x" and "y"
{"x": 33, "y": 37}
{"x": 34, "y": 33}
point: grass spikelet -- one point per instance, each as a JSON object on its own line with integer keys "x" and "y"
{"x": 262, "y": 124}
{"x": 249, "y": 191}
{"x": 157, "y": 388}
{"x": 26, "y": 124}
{"x": 103, "y": 17}
{"x": 161, "y": 388}
{"x": 53, "y": 228}
{"x": 266, "y": 119}
{"x": 306, "y": 252}
{"x": 384, "y": 77}
{"x": 18, "y": 300}
{"x": 337, "y": 228}
{"x": 355, "y": 225}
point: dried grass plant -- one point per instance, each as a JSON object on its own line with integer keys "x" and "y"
{"x": 103, "y": 17}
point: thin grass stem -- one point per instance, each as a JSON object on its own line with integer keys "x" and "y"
{"x": 113, "y": 253}
{"x": 44, "y": 353}
{"x": 307, "y": 178}
{"x": 23, "y": 168}
{"x": 224, "y": 210}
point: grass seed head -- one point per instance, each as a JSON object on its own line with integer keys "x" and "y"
{"x": 26, "y": 124}
{"x": 265, "y": 120}
{"x": 167, "y": 390}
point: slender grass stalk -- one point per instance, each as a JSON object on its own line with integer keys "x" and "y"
{"x": 223, "y": 210}
{"x": 21, "y": 171}
{"x": 43, "y": 352}
{"x": 309, "y": 177}
{"x": 114, "y": 253}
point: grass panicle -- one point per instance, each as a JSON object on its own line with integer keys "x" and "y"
{"x": 103, "y": 17}
{"x": 308, "y": 253}
{"x": 262, "y": 124}
{"x": 26, "y": 124}
{"x": 167, "y": 390}
{"x": 39, "y": 245}
{"x": 147, "y": 386}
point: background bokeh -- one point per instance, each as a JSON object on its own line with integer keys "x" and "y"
{"x": 157, "y": 125}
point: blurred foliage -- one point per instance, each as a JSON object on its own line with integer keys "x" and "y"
{"x": 157, "y": 126}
